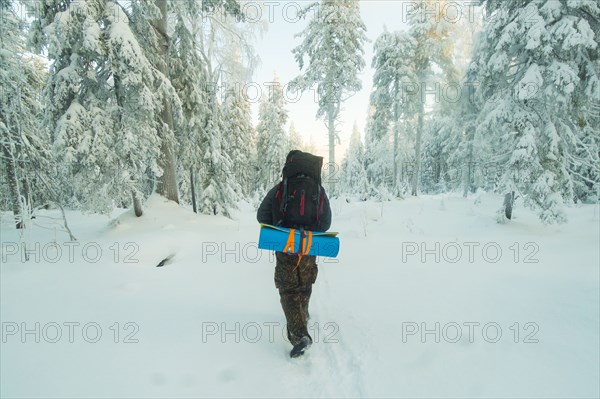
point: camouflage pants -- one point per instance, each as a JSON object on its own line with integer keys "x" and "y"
{"x": 294, "y": 282}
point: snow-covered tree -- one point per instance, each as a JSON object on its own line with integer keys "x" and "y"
{"x": 188, "y": 74}
{"x": 110, "y": 88}
{"x": 272, "y": 138}
{"x": 408, "y": 65}
{"x": 195, "y": 10}
{"x": 379, "y": 153}
{"x": 439, "y": 173}
{"x": 233, "y": 41}
{"x": 105, "y": 100}
{"x": 471, "y": 152}
{"x": 354, "y": 176}
{"x": 394, "y": 74}
{"x": 539, "y": 67}
{"x": 295, "y": 140}
{"x": 433, "y": 51}
{"x": 227, "y": 42}
{"x": 454, "y": 156}
{"x": 23, "y": 153}
{"x": 166, "y": 183}
{"x": 333, "y": 42}
{"x": 218, "y": 184}
{"x": 215, "y": 134}
{"x": 584, "y": 160}
{"x": 241, "y": 138}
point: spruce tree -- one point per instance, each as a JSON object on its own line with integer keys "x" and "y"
{"x": 540, "y": 60}
{"x": 333, "y": 42}
{"x": 272, "y": 138}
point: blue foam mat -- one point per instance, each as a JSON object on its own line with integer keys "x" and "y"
{"x": 275, "y": 238}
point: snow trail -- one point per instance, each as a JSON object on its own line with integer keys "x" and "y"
{"x": 195, "y": 319}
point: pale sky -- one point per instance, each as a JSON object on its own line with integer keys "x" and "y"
{"x": 275, "y": 51}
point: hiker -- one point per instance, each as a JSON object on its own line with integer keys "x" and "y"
{"x": 298, "y": 201}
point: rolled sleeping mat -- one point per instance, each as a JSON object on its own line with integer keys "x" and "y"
{"x": 282, "y": 239}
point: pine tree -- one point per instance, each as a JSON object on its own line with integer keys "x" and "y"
{"x": 394, "y": 74}
{"x": 189, "y": 76}
{"x": 439, "y": 172}
{"x": 240, "y": 136}
{"x": 354, "y": 176}
{"x": 295, "y": 140}
{"x": 219, "y": 187}
{"x": 167, "y": 182}
{"x": 112, "y": 107}
{"x": 541, "y": 58}
{"x": 585, "y": 160}
{"x": 454, "y": 156}
{"x": 333, "y": 42}
{"x": 271, "y": 139}
{"x": 378, "y": 153}
{"x": 237, "y": 61}
{"x": 103, "y": 100}
{"x": 471, "y": 152}
{"x": 432, "y": 35}
{"x": 23, "y": 154}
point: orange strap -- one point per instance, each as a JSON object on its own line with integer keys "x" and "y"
{"x": 290, "y": 244}
{"x": 305, "y": 245}
{"x": 308, "y": 245}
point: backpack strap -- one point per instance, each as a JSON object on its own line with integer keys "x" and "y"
{"x": 284, "y": 197}
{"x": 278, "y": 195}
{"x": 276, "y": 208}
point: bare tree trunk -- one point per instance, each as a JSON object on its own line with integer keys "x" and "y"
{"x": 332, "y": 166}
{"x": 509, "y": 200}
{"x": 137, "y": 204}
{"x": 167, "y": 183}
{"x": 469, "y": 167}
{"x": 64, "y": 215}
{"x": 417, "y": 168}
{"x": 13, "y": 185}
{"x": 27, "y": 192}
{"x": 137, "y": 201}
{"x": 193, "y": 188}
{"x": 396, "y": 134}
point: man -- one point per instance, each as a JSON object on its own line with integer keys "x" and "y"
{"x": 298, "y": 201}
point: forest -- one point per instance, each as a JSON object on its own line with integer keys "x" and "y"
{"x": 105, "y": 102}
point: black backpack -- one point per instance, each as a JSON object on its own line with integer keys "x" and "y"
{"x": 300, "y": 199}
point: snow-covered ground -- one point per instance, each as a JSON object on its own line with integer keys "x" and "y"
{"x": 514, "y": 307}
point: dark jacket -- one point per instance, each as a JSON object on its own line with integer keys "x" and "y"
{"x": 265, "y": 211}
